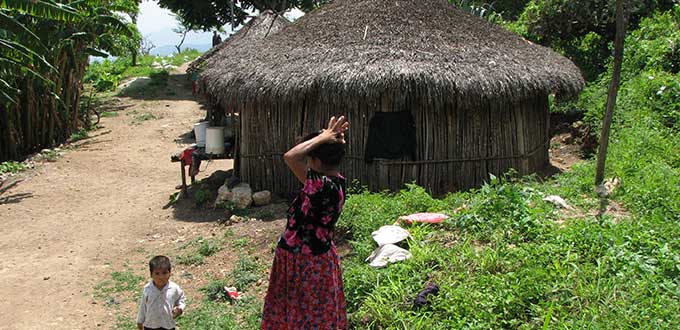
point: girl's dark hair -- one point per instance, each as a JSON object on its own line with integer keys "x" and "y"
{"x": 330, "y": 154}
{"x": 159, "y": 262}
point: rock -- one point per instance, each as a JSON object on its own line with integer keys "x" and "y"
{"x": 223, "y": 194}
{"x": 241, "y": 196}
{"x": 262, "y": 197}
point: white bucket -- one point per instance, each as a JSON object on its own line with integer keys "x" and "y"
{"x": 214, "y": 140}
{"x": 199, "y": 131}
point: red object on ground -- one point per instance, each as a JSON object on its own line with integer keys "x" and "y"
{"x": 424, "y": 217}
{"x": 232, "y": 292}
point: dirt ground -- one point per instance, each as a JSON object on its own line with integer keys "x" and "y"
{"x": 69, "y": 223}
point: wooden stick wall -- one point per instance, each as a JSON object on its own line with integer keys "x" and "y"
{"x": 459, "y": 141}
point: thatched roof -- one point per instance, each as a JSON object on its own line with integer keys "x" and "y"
{"x": 258, "y": 28}
{"x": 368, "y": 47}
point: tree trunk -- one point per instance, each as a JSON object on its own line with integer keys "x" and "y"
{"x": 179, "y": 47}
{"x": 613, "y": 91}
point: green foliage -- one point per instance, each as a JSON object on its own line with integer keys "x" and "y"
{"x": 142, "y": 117}
{"x": 190, "y": 259}
{"x": 209, "y": 247}
{"x": 201, "y": 195}
{"x": 201, "y": 248}
{"x": 81, "y": 134}
{"x": 217, "y": 315}
{"x": 502, "y": 261}
{"x": 43, "y": 54}
{"x": 11, "y": 167}
{"x": 581, "y": 30}
{"x": 501, "y": 212}
{"x": 50, "y": 155}
{"x": 107, "y": 74}
{"x": 246, "y": 272}
{"x": 655, "y": 45}
{"x": 108, "y": 114}
{"x": 121, "y": 282}
{"x": 483, "y": 10}
{"x": 207, "y": 15}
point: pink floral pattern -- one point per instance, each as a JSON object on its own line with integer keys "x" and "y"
{"x": 305, "y": 292}
{"x": 305, "y": 283}
{"x": 313, "y": 214}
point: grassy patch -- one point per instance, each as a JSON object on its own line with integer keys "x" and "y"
{"x": 121, "y": 286}
{"x": 142, "y": 117}
{"x": 109, "y": 114}
{"x": 12, "y": 167}
{"x": 246, "y": 272}
{"x": 81, "y": 134}
{"x": 199, "y": 248}
{"x": 50, "y": 155}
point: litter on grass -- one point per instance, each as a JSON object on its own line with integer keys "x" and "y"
{"x": 424, "y": 217}
{"x": 390, "y": 234}
{"x": 386, "y": 254}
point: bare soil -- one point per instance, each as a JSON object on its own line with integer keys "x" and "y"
{"x": 100, "y": 208}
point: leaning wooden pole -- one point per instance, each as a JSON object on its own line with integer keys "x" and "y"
{"x": 611, "y": 95}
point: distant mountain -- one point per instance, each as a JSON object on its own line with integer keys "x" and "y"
{"x": 169, "y": 49}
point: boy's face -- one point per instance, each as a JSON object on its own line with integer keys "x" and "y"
{"x": 160, "y": 277}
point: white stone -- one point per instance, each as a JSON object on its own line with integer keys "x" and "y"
{"x": 241, "y": 195}
{"x": 223, "y": 194}
{"x": 262, "y": 197}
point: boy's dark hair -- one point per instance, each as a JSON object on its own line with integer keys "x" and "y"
{"x": 159, "y": 262}
{"x": 330, "y": 154}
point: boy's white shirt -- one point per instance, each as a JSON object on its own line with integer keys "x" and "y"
{"x": 155, "y": 308}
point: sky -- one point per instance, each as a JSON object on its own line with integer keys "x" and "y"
{"x": 156, "y": 24}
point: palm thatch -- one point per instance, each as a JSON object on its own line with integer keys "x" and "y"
{"x": 375, "y": 45}
{"x": 258, "y": 28}
{"x": 478, "y": 93}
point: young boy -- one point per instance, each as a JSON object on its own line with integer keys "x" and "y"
{"x": 162, "y": 299}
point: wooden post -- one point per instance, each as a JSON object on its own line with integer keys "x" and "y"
{"x": 613, "y": 91}
{"x": 611, "y": 100}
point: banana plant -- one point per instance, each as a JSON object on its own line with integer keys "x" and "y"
{"x": 44, "y": 47}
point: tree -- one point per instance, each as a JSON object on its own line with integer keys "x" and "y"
{"x": 183, "y": 27}
{"x": 45, "y": 47}
{"x": 209, "y": 14}
{"x": 582, "y": 30}
{"x": 611, "y": 102}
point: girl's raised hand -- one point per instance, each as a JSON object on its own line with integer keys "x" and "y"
{"x": 335, "y": 132}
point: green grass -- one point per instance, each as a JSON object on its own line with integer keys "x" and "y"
{"x": 122, "y": 286}
{"x": 197, "y": 249}
{"x": 81, "y": 134}
{"x": 109, "y": 114}
{"x": 106, "y": 75}
{"x": 50, "y": 155}
{"x": 140, "y": 118}
{"x": 246, "y": 272}
{"x": 12, "y": 167}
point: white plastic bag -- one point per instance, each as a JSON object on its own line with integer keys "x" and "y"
{"x": 387, "y": 253}
{"x": 390, "y": 235}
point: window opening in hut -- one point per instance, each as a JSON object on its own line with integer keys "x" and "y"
{"x": 391, "y": 135}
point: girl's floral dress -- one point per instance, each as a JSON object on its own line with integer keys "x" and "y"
{"x": 305, "y": 284}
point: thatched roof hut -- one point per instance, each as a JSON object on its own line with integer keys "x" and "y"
{"x": 471, "y": 95}
{"x": 258, "y": 28}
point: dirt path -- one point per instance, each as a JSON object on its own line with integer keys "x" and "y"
{"x": 69, "y": 221}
